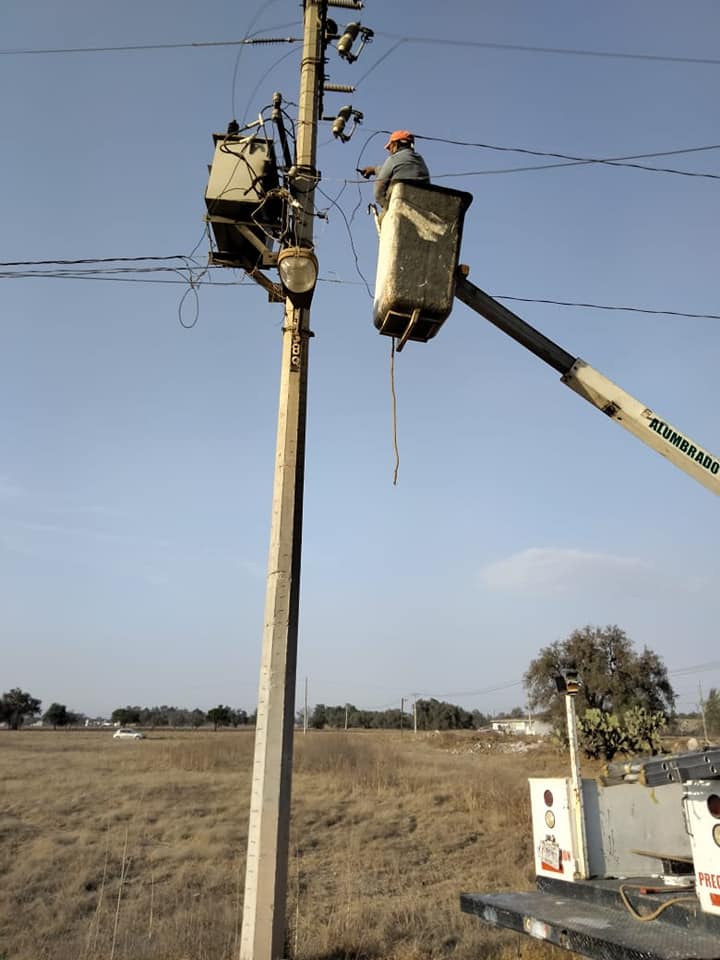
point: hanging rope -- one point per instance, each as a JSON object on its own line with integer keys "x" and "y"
{"x": 394, "y": 412}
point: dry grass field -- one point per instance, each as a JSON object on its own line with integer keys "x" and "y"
{"x": 125, "y": 850}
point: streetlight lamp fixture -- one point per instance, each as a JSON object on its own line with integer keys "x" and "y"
{"x": 298, "y": 269}
{"x": 567, "y": 682}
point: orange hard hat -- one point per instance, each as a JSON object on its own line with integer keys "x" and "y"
{"x": 397, "y": 135}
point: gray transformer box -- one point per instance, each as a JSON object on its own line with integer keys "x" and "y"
{"x": 242, "y": 198}
{"x": 418, "y": 257}
{"x": 243, "y": 171}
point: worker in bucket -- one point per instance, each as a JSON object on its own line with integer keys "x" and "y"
{"x": 402, "y": 164}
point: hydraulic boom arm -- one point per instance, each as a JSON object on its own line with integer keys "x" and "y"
{"x": 602, "y": 393}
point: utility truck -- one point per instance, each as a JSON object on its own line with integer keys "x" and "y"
{"x": 628, "y": 865}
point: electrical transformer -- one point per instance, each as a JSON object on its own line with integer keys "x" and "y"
{"x": 242, "y": 198}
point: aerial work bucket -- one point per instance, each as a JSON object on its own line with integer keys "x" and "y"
{"x": 417, "y": 259}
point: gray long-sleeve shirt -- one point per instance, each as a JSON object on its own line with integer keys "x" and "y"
{"x": 405, "y": 164}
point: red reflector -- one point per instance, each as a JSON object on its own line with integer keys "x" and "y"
{"x": 715, "y": 899}
{"x": 548, "y": 798}
{"x": 713, "y": 805}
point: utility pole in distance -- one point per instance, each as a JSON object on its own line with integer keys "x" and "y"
{"x": 305, "y": 710}
{"x": 263, "y": 922}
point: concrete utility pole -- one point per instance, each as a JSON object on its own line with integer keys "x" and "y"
{"x": 581, "y": 867}
{"x": 305, "y": 710}
{"x": 263, "y": 922}
{"x": 702, "y": 713}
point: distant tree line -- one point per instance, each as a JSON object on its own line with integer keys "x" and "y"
{"x": 166, "y": 716}
{"x": 624, "y": 701}
{"x": 18, "y": 706}
{"x": 431, "y": 714}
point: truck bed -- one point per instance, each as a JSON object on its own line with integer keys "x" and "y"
{"x": 590, "y": 918}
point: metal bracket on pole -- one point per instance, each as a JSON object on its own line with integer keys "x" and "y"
{"x": 274, "y": 290}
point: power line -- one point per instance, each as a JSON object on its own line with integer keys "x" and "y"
{"x": 570, "y": 163}
{"x": 115, "y": 279}
{"x": 567, "y": 159}
{"x": 489, "y": 45}
{"x": 577, "y": 163}
{"x": 565, "y": 156}
{"x": 122, "y": 48}
{"x": 601, "y": 306}
{"x": 350, "y": 237}
{"x": 472, "y": 693}
{"x": 508, "y": 685}
{"x": 89, "y": 260}
{"x": 112, "y": 274}
{"x": 622, "y": 161}
{"x": 698, "y": 668}
{"x": 563, "y": 51}
{"x": 377, "y": 63}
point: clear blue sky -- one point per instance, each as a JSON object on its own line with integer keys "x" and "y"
{"x": 137, "y": 456}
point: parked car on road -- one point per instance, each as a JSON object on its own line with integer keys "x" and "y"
{"x": 127, "y": 733}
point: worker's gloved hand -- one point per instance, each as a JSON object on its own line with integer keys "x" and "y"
{"x": 366, "y": 172}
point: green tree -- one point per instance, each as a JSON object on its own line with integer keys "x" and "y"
{"x": 126, "y": 715}
{"x": 613, "y": 676}
{"x": 239, "y": 717}
{"x": 57, "y": 714}
{"x": 435, "y": 714}
{"x": 479, "y": 719}
{"x": 197, "y": 718}
{"x": 220, "y": 716}
{"x": 318, "y": 718}
{"x": 710, "y": 713}
{"x": 16, "y": 706}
